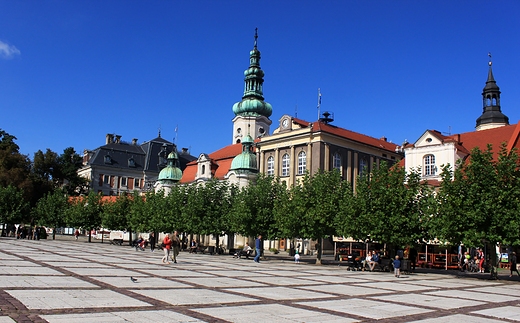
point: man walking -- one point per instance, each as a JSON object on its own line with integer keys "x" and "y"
{"x": 152, "y": 241}
{"x": 176, "y": 245}
{"x": 258, "y": 247}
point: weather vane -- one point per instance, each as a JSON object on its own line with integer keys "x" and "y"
{"x": 256, "y": 36}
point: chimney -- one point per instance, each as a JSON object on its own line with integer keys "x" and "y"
{"x": 184, "y": 150}
{"x": 118, "y": 139}
{"x": 110, "y": 138}
{"x": 134, "y": 141}
{"x": 383, "y": 138}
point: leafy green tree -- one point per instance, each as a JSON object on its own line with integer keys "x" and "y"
{"x": 116, "y": 213}
{"x": 479, "y": 204}
{"x": 43, "y": 168}
{"x": 51, "y": 171}
{"x": 66, "y": 175}
{"x": 193, "y": 211}
{"x": 215, "y": 208}
{"x": 317, "y": 202}
{"x": 153, "y": 214}
{"x": 391, "y": 206}
{"x": 173, "y": 213}
{"x": 13, "y": 206}
{"x": 51, "y": 210}
{"x": 253, "y": 211}
{"x": 85, "y": 212}
{"x": 15, "y": 168}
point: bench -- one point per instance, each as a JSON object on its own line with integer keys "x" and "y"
{"x": 118, "y": 242}
{"x": 384, "y": 265}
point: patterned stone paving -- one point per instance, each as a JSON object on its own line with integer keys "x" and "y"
{"x": 74, "y": 281}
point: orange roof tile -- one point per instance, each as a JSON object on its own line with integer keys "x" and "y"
{"x": 220, "y": 163}
{"x": 347, "y": 134}
{"x": 495, "y": 136}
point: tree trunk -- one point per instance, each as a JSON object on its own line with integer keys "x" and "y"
{"x": 217, "y": 246}
{"x": 493, "y": 272}
{"x": 319, "y": 250}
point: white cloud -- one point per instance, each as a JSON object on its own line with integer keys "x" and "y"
{"x": 8, "y": 51}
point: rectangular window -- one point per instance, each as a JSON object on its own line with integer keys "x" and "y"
{"x": 123, "y": 181}
{"x": 106, "y": 179}
{"x": 137, "y": 183}
{"x": 270, "y": 166}
{"x": 285, "y": 165}
{"x": 302, "y": 163}
{"x": 429, "y": 165}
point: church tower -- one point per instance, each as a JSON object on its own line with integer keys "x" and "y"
{"x": 492, "y": 116}
{"x": 252, "y": 111}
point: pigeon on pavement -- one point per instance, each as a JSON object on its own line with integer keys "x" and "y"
{"x": 134, "y": 280}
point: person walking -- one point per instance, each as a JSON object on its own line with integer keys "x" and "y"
{"x": 167, "y": 244}
{"x": 76, "y": 234}
{"x": 258, "y": 247}
{"x": 512, "y": 264}
{"x": 397, "y": 267}
{"x": 481, "y": 260}
{"x": 176, "y": 245}
{"x": 151, "y": 238}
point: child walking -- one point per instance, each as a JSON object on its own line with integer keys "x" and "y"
{"x": 297, "y": 257}
{"x": 397, "y": 267}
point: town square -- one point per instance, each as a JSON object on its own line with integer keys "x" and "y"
{"x": 65, "y": 280}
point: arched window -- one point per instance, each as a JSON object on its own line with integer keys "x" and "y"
{"x": 203, "y": 169}
{"x": 285, "y": 165}
{"x": 270, "y": 165}
{"x": 336, "y": 161}
{"x": 302, "y": 163}
{"x": 429, "y": 165}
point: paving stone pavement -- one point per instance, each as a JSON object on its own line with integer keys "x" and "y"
{"x": 75, "y": 281}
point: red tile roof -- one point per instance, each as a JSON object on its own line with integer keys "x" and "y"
{"x": 465, "y": 142}
{"x": 496, "y": 137}
{"x": 347, "y": 134}
{"x": 220, "y": 163}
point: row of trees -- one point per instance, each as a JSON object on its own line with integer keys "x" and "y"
{"x": 24, "y": 182}
{"x": 477, "y": 202}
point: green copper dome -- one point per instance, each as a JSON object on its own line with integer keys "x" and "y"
{"x": 246, "y": 161}
{"x": 171, "y": 173}
{"x": 253, "y": 103}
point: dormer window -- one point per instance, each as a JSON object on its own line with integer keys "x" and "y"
{"x": 131, "y": 162}
{"x": 108, "y": 159}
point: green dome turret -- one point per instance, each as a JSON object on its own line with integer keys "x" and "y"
{"x": 253, "y": 103}
{"x": 171, "y": 173}
{"x": 246, "y": 161}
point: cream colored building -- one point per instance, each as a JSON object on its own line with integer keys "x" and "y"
{"x": 298, "y": 146}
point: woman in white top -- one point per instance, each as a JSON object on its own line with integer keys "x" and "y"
{"x": 367, "y": 260}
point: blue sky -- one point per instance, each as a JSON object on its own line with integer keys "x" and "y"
{"x": 73, "y": 71}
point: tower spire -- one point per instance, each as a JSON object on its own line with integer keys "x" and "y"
{"x": 253, "y": 103}
{"x": 492, "y": 115}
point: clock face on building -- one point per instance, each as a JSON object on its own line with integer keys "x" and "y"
{"x": 285, "y": 123}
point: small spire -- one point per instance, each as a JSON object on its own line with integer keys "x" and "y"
{"x": 159, "y": 131}
{"x": 256, "y": 37}
{"x": 490, "y": 61}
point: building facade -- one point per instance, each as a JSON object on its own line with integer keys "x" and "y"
{"x": 433, "y": 150}
{"x": 298, "y": 147}
{"x": 120, "y": 167}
